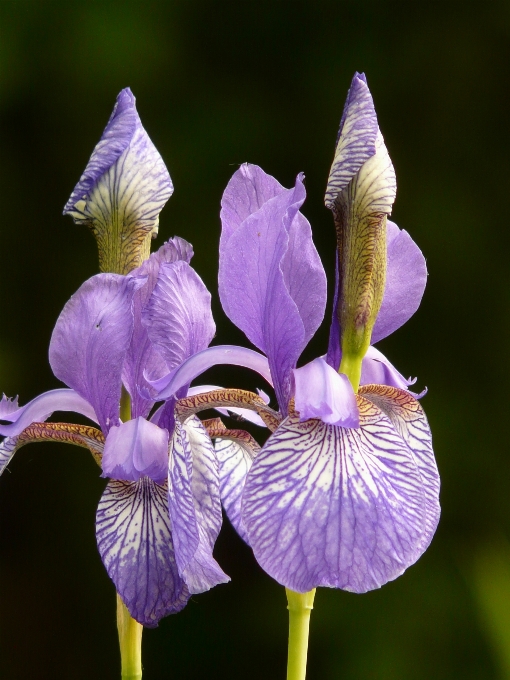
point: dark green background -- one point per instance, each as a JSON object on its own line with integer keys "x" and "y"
{"x": 220, "y": 83}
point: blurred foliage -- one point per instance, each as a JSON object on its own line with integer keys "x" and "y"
{"x": 219, "y": 83}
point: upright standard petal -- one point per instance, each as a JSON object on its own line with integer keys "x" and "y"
{"x": 134, "y": 539}
{"x": 122, "y": 191}
{"x": 271, "y": 281}
{"x": 337, "y": 507}
{"x": 90, "y": 341}
{"x": 194, "y": 505}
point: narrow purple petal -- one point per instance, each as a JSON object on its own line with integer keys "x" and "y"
{"x": 235, "y": 460}
{"x": 41, "y": 408}
{"x": 136, "y": 449}
{"x": 323, "y": 393}
{"x": 90, "y": 341}
{"x": 8, "y": 405}
{"x": 194, "y": 504}
{"x": 337, "y": 507}
{"x": 406, "y": 278}
{"x": 409, "y": 420}
{"x": 212, "y": 356}
{"x": 142, "y": 356}
{"x": 356, "y": 138}
{"x": 178, "y": 317}
{"x": 135, "y": 543}
{"x": 377, "y": 370}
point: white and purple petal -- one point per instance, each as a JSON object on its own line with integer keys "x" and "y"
{"x": 134, "y": 539}
{"x": 337, "y": 507}
{"x": 90, "y": 340}
{"x": 194, "y": 505}
{"x": 243, "y": 413}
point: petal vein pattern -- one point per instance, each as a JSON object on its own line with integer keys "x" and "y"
{"x": 337, "y": 507}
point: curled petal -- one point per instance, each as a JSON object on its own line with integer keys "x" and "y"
{"x": 337, "y": 507}
{"x": 200, "y": 362}
{"x": 123, "y": 189}
{"x": 134, "y": 539}
{"x": 376, "y": 369}
{"x": 90, "y": 340}
{"x": 243, "y": 413}
{"x": 135, "y": 449}
{"x": 323, "y": 393}
{"x": 42, "y": 407}
{"x": 194, "y": 504}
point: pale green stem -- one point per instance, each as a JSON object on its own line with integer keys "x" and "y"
{"x": 130, "y": 643}
{"x": 130, "y": 631}
{"x": 300, "y": 607}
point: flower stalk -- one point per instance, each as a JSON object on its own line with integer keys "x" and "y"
{"x": 130, "y": 643}
{"x": 300, "y": 607}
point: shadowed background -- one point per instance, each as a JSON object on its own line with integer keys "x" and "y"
{"x": 217, "y": 84}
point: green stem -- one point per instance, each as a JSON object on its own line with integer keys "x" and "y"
{"x": 300, "y": 607}
{"x": 130, "y": 643}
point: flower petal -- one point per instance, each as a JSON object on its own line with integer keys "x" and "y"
{"x": 243, "y": 413}
{"x": 356, "y": 138}
{"x": 90, "y": 341}
{"x": 406, "y": 278}
{"x": 263, "y": 265}
{"x": 42, "y": 407}
{"x": 194, "y": 503}
{"x": 123, "y": 189}
{"x": 134, "y": 539}
{"x": 323, "y": 393}
{"x": 336, "y": 507}
{"x": 142, "y": 356}
{"x": 409, "y": 420}
{"x": 135, "y": 449}
{"x": 200, "y": 362}
{"x": 376, "y": 369}
{"x": 178, "y": 317}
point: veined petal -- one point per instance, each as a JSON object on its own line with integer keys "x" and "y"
{"x": 200, "y": 362}
{"x": 123, "y": 189}
{"x": 376, "y": 369}
{"x": 41, "y": 408}
{"x": 264, "y": 265}
{"x": 406, "y": 278}
{"x": 142, "y": 356}
{"x": 135, "y": 449}
{"x": 244, "y": 413}
{"x": 321, "y": 392}
{"x": 134, "y": 539}
{"x": 90, "y": 341}
{"x": 194, "y": 504}
{"x": 409, "y": 420}
{"x": 356, "y": 138}
{"x": 178, "y": 317}
{"x": 337, "y": 507}
{"x": 235, "y": 459}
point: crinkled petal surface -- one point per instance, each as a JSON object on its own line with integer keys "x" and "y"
{"x": 323, "y": 393}
{"x": 136, "y": 449}
{"x": 356, "y": 138}
{"x": 90, "y": 340}
{"x": 410, "y": 421}
{"x": 42, "y": 407}
{"x": 271, "y": 281}
{"x": 337, "y": 507}
{"x": 135, "y": 543}
{"x": 178, "y": 317}
{"x": 194, "y": 504}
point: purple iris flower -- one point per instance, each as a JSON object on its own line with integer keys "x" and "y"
{"x": 160, "y": 513}
{"x": 345, "y": 491}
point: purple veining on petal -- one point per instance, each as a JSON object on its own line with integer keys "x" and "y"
{"x": 244, "y": 413}
{"x": 41, "y": 408}
{"x": 134, "y": 539}
{"x": 406, "y": 278}
{"x": 90, "y": 340}
{"x": 264, "y": 263}
{"x": 8, "y": 448}
{"x": 194, "y": 506}
{"x": 356, "y": 138}
{"x": 212, "y": 356}
{"x": 323, "y": 393}
{"x": 377, "y": 370}
{"x": 178, "y": 317}
{"x": 337, "y": 507}
{"x": 135, "y": 449}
